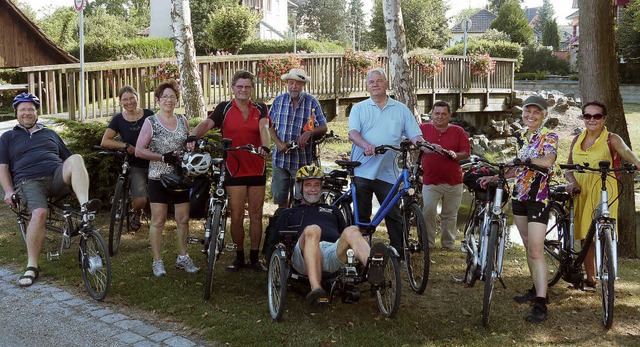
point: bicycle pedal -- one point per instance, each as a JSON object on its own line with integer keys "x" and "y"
{"x": 502, "y": 282}
{"x": 53, "y": 256}
{"x": 194, "y": 240}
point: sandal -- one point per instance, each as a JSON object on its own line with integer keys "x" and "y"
{"x": 31, "y": 279}
{"x": 317, "y": 295}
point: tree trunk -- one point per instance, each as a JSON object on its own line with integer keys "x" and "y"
{"x": 186, "y": 56}
{"x": 599, "y": 81}
{"x": 402, "y": 82}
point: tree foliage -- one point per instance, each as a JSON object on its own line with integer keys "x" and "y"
{"x": 200, "y": 11}
{"x": 537, "y": 58}
{"x": 325, "y": 20}
{"x": 545, "y": 15}
{"x": 550, "y": 35}
{"x": 628, "y": 33}
{"x": 495, "y": 5}
{"x": 513, "y": 21}
{"x": 356, "y": 22}
{"x": 424, "y": 22}
{"x": 230, "y": 27}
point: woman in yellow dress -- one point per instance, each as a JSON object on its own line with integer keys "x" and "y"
{"x": 594, "y": 144}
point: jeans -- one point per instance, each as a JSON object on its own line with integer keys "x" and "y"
{"x": 365, "y": 188}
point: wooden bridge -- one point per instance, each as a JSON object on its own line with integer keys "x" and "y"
{"x": 337, "y": 88}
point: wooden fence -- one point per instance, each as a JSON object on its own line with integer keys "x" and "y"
{"x": 59, "y": 85}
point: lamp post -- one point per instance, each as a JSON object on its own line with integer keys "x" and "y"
{"x": 466, "y": 25}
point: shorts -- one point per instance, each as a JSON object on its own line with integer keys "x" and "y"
{"x": 280, "y": 183}
{"x": 330, "y": 261}
{"x": 160, "y": 195}
{"x": 535, "y": 211}
{"x": 35, "y": 191}
{"x": 249, "y": 181}
{"x": 138, "y": 177}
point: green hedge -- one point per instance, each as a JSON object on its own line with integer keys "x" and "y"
{"x": 530, "y": 76}
{"x": 286, "y": 46}
{"x": 499, "y": 49}
{"x": 536, "y": 58}
{"x": 138, "y": 48}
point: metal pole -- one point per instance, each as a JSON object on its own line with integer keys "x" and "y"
{"x": 82, "y": 106}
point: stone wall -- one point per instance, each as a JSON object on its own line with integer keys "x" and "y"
{"x": 630, "y": 92}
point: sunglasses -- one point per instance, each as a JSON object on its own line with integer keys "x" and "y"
{"x": 597, "y": 116}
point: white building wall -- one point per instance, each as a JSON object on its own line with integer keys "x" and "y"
{"x": 160, "y": 19}
{"x": 274, "y": 13}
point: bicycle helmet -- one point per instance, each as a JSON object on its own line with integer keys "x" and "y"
{"x": 25, "y": 97}
{"x": 308, "y": 172}
{"x": 196, "y": 164}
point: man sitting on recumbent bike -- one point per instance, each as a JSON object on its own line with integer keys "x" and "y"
{"x": 324, "y": 237}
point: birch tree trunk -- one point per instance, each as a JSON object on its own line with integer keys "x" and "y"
{"x": 186, "y": 56}
{"x": 401, "y": 80}
{"x": 599, "y": 81}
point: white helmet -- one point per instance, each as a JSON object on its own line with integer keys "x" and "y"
{"x": 196, "y": 164}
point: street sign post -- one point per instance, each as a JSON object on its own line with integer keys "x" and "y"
{"x": 79, "y": 5}
{"x": 466, "y": 26}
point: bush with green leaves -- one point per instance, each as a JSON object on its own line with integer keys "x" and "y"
{"x": 499, "y": 49}
{"x": 230, "y": 27}
{"x": 137, "y": 48}
{"x": 538, "y": 58}
{"x": 286, "y": 46}
{"x": 530, "y": 76}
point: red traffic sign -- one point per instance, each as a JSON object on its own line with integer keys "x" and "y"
{"x": 79, "y": 4}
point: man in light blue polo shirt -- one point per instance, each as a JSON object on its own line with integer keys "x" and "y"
{"x": 376, "y": 121}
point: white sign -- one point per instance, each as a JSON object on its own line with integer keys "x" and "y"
{"x": 79, "y": 4}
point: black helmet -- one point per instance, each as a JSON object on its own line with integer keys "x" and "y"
{"x": 173, "y": 181}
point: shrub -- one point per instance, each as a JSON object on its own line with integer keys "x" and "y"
{"x": 286, "y": 46}
{"x": 499, "y": 49}
{"x": 530, "y": 76}
{"x": 230, "y": 27}
{"x": 138, "y": 48}
{"x": 538, "y": 58}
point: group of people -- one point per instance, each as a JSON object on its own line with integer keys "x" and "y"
{"x": 35, "y": 164}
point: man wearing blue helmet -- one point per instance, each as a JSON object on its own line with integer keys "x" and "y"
{"x": 36, "y": 164}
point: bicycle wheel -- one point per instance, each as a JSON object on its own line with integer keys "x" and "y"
{"x": 490, "y": 273}
{"x": 472, "y": 237}
{"x": 118, "y": 213}
{"x": 607, "y": 278}
{"x": 95, "y": 264}
{"x": 554, "y": 243}
{"x": 213, "y": 252}
{"x": 347, "y": 213}
{"x": 277, "y": 282}
{"x": 416, "y": 252}
{"x": 388, "y": 295}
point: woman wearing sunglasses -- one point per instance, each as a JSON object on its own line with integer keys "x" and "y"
{"x": 594, "y": 144}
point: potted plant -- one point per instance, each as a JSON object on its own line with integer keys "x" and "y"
{"x": 430, "y": 63}
{"x": 481, "y": 64}
{"x": 271, "y": 69}
{"x": 359, "y": 61}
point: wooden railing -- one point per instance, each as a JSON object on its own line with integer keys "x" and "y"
{"x": 59, "y": 88}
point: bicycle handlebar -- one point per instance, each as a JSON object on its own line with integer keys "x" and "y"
{"x": 604, "y": 166}
{"x": 407, "y": 145}
{"x": 516, "y": 162}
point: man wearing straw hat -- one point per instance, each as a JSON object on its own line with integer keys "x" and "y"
{"x": 296, "y": 117}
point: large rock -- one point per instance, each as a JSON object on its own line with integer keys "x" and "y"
{"x": 552, "y": 122}
{"x": 561, "y": 108}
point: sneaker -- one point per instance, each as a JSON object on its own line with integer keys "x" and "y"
{"x": 538, "y": 313}
{"x": 185, "y": 263}
{"x": 235, "y": 265}
{"x": 89, "y": 209}
{"x": 528, "y": 296}
{"x": 589, "y": 286}
{"x": 135, "y": 223}
{"x": 317, "y": 295}
{"x": 158, "y": 268}
{"x": 257, "y": 267}
{"x": 377, "y": 261}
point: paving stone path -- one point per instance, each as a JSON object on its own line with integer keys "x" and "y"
{"x": 44, "y": 315}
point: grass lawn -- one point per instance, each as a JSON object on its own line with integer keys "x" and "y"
{"x": 446, "y": 314}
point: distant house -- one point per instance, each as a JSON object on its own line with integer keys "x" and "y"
{"x": 22, "y": 43}
{"x": 480, "y": 23}
{"x": 274, "y": 23}
{"x": 533, "y": 18}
